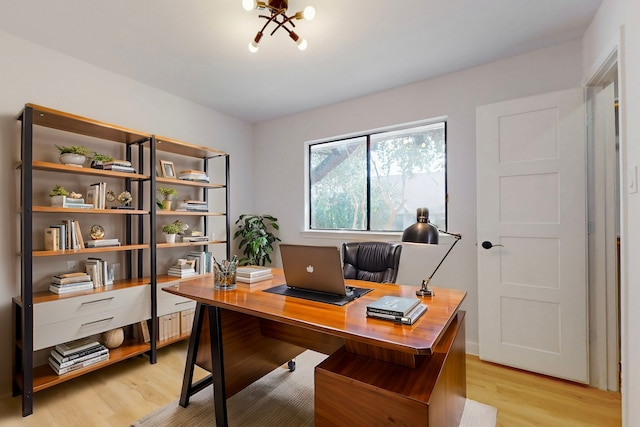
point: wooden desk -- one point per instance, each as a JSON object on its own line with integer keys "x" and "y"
{"x": 377, "y": 372}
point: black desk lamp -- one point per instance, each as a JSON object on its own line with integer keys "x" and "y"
{"x": 425, "y": 232}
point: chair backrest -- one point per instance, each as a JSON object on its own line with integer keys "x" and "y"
{"x": 372, "y": 261}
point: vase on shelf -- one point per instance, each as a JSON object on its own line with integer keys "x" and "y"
{"x": 171, "y": 238}
{"x": 166, "y": 205}
{"x": 72, "y": 159}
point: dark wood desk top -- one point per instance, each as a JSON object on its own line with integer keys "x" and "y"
{"x": 349, "y": 321}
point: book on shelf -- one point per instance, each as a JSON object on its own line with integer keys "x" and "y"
{"x": 118, "y": 168}
{"x": 181, "y": 273}
{"x": 101, "y": 243}
{"x": 51, "y": 239}
{"x": 195, "y": 238}
{"x": 96, "y": 195}
{"x": 407, "y": 319}
{"x": 393, "y": 305}
{"x": 117, "y": 162}
{"x": 67, "y": 289}
{"x": 193, "y": 175}
{"x": 66, "y": 278}
{"x": 60, "y": 371}
{"x": 98, "y": 269}
{"x": 75, "y": 346}
{"x": 62, "y": 235}
{"x": 64, "y": 361}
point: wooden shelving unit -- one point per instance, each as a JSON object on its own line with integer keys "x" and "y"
{"x": 137, "y": 285}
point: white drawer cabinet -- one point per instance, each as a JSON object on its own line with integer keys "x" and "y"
{"x": 72, "y": 318}
{"x": 169, "y": 303}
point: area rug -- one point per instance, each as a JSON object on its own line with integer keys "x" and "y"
{"x": 281, "y": 398}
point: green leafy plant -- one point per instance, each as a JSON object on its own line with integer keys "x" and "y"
{"x": 58, "y": 190}
{"x": 97, "y": 157}
{"x": 172, "y": 228}
{"x": 256, "y": 239}
{"x": 167, "y": 192}
{"x": 74, "y": 149}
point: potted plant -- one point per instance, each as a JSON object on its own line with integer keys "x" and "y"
{"x": 170, "y": 231}
{"x": 167, "y": 194}
{"x": 58, "y": 195}
{"x": 74, "y": 155}
{"x": 97, "y": 159}
{"x": 256, "y": 239}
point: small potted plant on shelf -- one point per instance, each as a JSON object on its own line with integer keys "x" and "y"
{"x": 170, "y": 231}
{"x": 97, "y": 159}
{"x": 74, "y": 155}
{"x": 167, "y": 195}
{"x": 256, "y": 241}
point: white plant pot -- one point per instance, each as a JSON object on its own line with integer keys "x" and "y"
{"x": 171, "y": 238}
{"x": 73, "y": 159}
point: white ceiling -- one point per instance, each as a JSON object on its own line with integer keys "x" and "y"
{"x": 197, "y": 49}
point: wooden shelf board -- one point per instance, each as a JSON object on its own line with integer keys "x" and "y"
{"x": 183, "y": 182}
{"x": 44, "y": 377}
{"x": 175, "y": 146}
{"x": 188, "y": 213}
{"x": 178, "y": 244}
{"x": 91, "y": 250}
{"x": 59, "y": 167}
{"x": 172, "y": 340}
{"x": 48, "y": 117}
{"x": 50, "y": 209}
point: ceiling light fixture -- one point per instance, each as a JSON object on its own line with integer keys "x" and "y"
{"x": 278, "y": 10}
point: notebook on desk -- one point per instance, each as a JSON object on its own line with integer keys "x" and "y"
{"x": 315, "y": 273}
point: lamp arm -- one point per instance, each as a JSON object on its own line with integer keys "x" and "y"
{"x": 282, "y": 24}
{"x": 458, "y": 237}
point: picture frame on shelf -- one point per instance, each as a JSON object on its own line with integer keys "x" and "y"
{"x": 168, "y": 169}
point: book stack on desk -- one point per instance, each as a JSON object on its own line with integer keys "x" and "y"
{"x": 253, "y": 274}
{"x": 398, "y": 309}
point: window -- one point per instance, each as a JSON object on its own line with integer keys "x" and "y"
{"x": 375, "y": 182}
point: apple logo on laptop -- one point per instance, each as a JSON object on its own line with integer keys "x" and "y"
{"x": 309, "y": 268}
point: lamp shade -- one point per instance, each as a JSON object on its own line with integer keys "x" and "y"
{"x": 422, "y": 231}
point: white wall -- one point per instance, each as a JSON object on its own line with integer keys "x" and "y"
{"x": 31, "y": 73}
{"x": 279, "y": 145}
{"x": 617, "y": 25}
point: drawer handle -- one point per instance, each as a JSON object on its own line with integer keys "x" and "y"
{"x": 183, "y": 302}
{"x": 97, "y": 321}
{"x": 98, "y": 300}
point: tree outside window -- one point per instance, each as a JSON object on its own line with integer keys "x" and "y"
{"x": 375, "y": 182}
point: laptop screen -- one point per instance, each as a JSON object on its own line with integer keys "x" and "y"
{"x": 314, "y": 268}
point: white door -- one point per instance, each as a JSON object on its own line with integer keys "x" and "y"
{"x": 531, "y": 192}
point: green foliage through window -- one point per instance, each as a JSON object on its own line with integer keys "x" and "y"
{"x": 375, "y": 182}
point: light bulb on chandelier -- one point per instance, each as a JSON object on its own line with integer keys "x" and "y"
{"x": 278, "y": 15}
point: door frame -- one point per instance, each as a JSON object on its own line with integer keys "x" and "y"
{"x": 604, "y": 300}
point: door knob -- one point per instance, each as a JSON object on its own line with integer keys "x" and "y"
{"x": 488, "y": 245}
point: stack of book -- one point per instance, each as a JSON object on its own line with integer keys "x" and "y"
{"x": 98, "y": 270}
{"x": 182, "y": 269}
{"x": 398, "y": 309}
{"x": 68, "y": 202}
{"x": 69, "y": 235}
{"x": 70, "y": 282}
{"x": 193, "y": 175}
{"x": 195, "y": 238}
{"x": 68, "y": 357}
{"x": 195, "y": 206}
{"x": 252, "y": 274}
{"x": 118, "y": 166}
{"x": 96, "y": 195}
{"x": 101, "y": 243}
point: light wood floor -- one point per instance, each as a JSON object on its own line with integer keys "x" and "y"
{"x": 122, "y": 393}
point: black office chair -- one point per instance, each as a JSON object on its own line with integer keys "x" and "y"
{"x": 372, "y": 261}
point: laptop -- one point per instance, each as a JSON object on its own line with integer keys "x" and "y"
{"x": 315, "y": 273}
